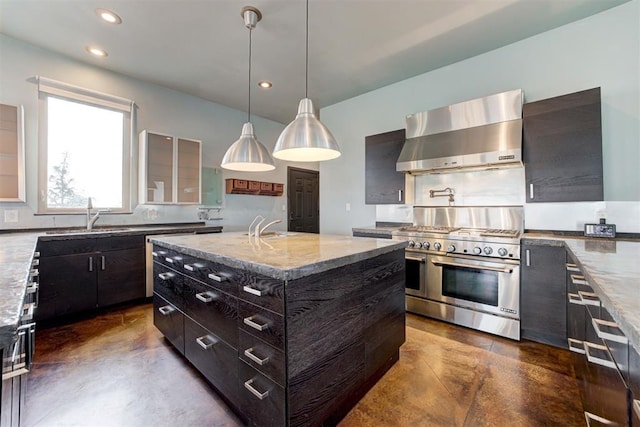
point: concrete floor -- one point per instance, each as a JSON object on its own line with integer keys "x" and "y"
{"x": 117, "y": 370}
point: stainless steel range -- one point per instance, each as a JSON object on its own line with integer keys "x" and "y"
{"x": 463, "y": 266}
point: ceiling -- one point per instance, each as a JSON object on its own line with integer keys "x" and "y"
{"x": 200, "y": 47}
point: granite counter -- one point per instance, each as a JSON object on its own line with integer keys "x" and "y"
{"x": 284, "y": 256}
{"x": 612, "y": 268}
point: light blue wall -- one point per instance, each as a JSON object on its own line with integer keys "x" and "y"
{"x": 602, "y": 50}
{"x": 158, "y": 109}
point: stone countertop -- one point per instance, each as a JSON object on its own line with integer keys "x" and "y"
{"x": 612, "y": 268}
{"x": 16, "y": 253}
{"x": 284, "y": 256}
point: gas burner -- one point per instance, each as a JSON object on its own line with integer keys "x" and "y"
{"x": 499, "y": 233}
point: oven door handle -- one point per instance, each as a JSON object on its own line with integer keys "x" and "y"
{"x": 418, "y": 259}
{"x": 479, "y": 267}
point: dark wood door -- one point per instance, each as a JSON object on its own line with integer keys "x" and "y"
{"x": 562, "y": 148}
{"x": 383, "y": 184}
{"x": 121, "y": 276}
{"x": 303, "y": 194}
{"x": 544, "y": 295}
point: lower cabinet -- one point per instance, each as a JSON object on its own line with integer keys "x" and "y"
{"x": 342, "y": 330}
{"x": 634, "y": 385}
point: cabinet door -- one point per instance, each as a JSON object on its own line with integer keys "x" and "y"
{"x": 68, "y": 285}
{"x": 156, "y": 168}
{"x": 382, "y": 183}
{"x": 121, "y": 276}
{"x": 189, "y": 171}
{"x": 544, "y": 295}
{"x": 562, "y": 148}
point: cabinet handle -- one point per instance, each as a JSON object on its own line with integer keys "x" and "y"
{"x": 253, "y": 291}
{"x": 576, "y": 346}
{"x": 572, "y": 267}
{"x": 166, "y": 276}
{"x": 193, "y": 267}
{"x": 217, "y": 278}
{"x": 207, "y": 341}
{"x": 102, "y": 263}
{"x": 27, "y": 311}
{"x": 598, "y": 361}
{"x": 36, "y": 254}
{"x": 578, "y": 279}
{"x": 531, "y": 191}
{"x": 575, "y": 299}
{"x": 606, "y": 335}
{"x": 249, "y": 321}
{"x": 32, "y": 288}
{"x": 249, "y": 353}
{"x": 248, "y": 385}
{"x": 169, "y": 260}
{"x": 527, "y": 254}
{"x": 34, "y": 273}
{"x": 90, "y": 263}
{"x": 35, "y": 262}
{"x": 166, "y": 310}
{"x": 206, "y": 297}
{"x": 399, "y": 195}
{"x": 589, "y": 298}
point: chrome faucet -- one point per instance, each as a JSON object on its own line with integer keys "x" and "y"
{"x": 91, "y": 219}
{"x": 256, "y": 230}
{"x": 449, "y": 192}
{"x": 259, "y": 233}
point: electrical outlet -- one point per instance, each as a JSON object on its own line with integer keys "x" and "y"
{"x": 601, "y": 214}
{"x": 11, "y": 215}
{"x": 348, "y": 207}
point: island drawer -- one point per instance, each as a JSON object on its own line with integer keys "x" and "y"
{"x": 169, "y": 320}
{"x": 211, "y": 273}
{"x": 213, "y": 309}
{"x": 262, "y": 290}
{"x": 168, "y": 257}
{"x": 261, "y": 400}
{"x": 264, "y": 324}
{"x": 262, "y": 357}
{"x": 216, "y": 360}
{"x": 169, "y": 284}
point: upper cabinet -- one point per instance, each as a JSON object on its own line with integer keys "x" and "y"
{"x": 11, "y": 154}
{"x": 170, "y": 169}
{"x": 562, "y": 148}
{"x": 383, "y": 184}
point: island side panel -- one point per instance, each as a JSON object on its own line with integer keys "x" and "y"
{"x": 327, "y": 328}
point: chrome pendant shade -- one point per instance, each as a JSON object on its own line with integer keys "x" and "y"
{"x": 247, "y": 153}
{"x": 306, "y": 139}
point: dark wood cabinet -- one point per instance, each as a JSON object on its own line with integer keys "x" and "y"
{"x": 382, "y": 183}
{"x": 79, "y": 275}
{"x": 562, "y": 148}
{"x": 543, "y": 295}
{"x": 634, "y": 385}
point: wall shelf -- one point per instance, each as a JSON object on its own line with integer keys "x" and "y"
{"x": 256, "y": 188}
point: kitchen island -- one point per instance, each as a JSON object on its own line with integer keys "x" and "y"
{"x": 291, "y": 329}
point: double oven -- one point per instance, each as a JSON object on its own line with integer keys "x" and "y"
{"x": 467, "y": 275}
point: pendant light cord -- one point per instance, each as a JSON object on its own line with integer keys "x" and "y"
{"x": 306, "y": 76}
{"x": 249, "y": 109}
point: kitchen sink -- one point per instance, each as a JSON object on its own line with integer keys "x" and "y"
{"x": 85, "y": 231}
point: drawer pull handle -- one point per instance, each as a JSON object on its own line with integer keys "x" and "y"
{"x": 597, "y": 360}
{"x": 166, "y": 276}
{"x": 154, "y": 254}
{"x": 206, "y": 297}
{"x": 166, "y": 310}
{"x": 576, "y": 346}
{"x": 252, "y": 291}
{"x": 217, "y": 278}
{"x": 572, "y": 267}
{"x": 574, "y": 299}
{"x": 27, "y": 311}
{"x": 249, "y": 321}
{"x": 34, "y": 272}
{"x": 35, "y": 262}
{"x": 577, "y": 279}
{"x": 169, "y": 260}
{"x": 606, "y": 335}
{"x": 589, "y": 298}
{"x": 249, "y": 386}
{"x": 249, "y": 353}
{"x": 206, "y": 341}
{"x": 193, "y": 267}
{"x": 32, "y": 288}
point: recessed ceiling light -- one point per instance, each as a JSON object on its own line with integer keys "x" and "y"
{"x": 265, "y": 84}
{"x": 96, "y": 51}
{"x": 109, "y": 16}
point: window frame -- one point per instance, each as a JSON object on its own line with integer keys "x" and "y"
{"x": 51, "y": 88}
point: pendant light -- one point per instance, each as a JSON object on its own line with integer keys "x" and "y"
{"x": 306, "y": 139}
{"x": 247, "y": 153}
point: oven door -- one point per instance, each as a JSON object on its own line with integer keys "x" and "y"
{"x": 488, "y": 286}
{"x": 415, "y": 273}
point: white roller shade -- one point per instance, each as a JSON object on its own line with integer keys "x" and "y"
{"x": 81, "y": 94}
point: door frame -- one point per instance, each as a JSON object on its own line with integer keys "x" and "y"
{"x": 290, "y": 186}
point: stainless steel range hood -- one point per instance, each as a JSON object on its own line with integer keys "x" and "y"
{"x": 483, "y": 133}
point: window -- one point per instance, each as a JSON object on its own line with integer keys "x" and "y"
{"x": 85, "y": 140}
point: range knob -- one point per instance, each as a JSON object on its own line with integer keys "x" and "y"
{"x": 411, "y": 243}
{"x": 477, "y": 250}
{"x": 451, "y": 248}
{"x": 418, "y": 245}
{"x": 502, "y": 252}
{"x": 488, "y": 250}
{"x": 437, "y": 246}
{"x": 425, "y": 245}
